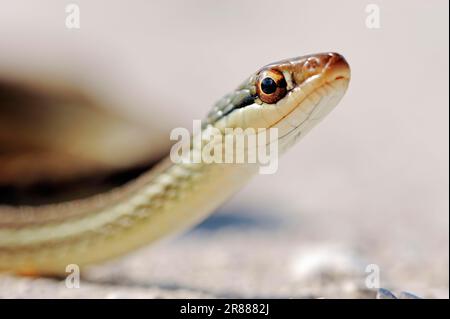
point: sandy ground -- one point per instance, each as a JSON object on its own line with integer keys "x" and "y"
{"x": 243, "y": 252}
{"x": 369, "y": 186}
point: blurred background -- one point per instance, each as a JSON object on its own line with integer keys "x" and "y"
{"x": 367, "y": 186}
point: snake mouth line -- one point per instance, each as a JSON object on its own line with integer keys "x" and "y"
{"x": 338, "y": 71}
{"x": 338, "y": 78}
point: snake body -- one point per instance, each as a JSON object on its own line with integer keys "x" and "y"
{"x": 291, "y": 95}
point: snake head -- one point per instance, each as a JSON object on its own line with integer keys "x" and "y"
{"x": 325, "y": 66}
{"x": 291, "y": 95}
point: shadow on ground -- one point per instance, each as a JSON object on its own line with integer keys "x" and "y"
{"x": 239, "y": 218}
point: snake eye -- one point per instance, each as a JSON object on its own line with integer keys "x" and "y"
{"x": 271, "y": 86}
{"x": 268, "y": 85}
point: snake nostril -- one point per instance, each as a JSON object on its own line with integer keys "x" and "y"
{"x": 312, "y": 66}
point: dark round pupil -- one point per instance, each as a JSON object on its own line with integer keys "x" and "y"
{"x": 268, "y": 85}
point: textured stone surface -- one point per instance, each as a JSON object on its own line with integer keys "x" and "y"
{"x": 252, "y": 254}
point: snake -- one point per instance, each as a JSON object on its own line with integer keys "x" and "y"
{"x": 290, "y": 95}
